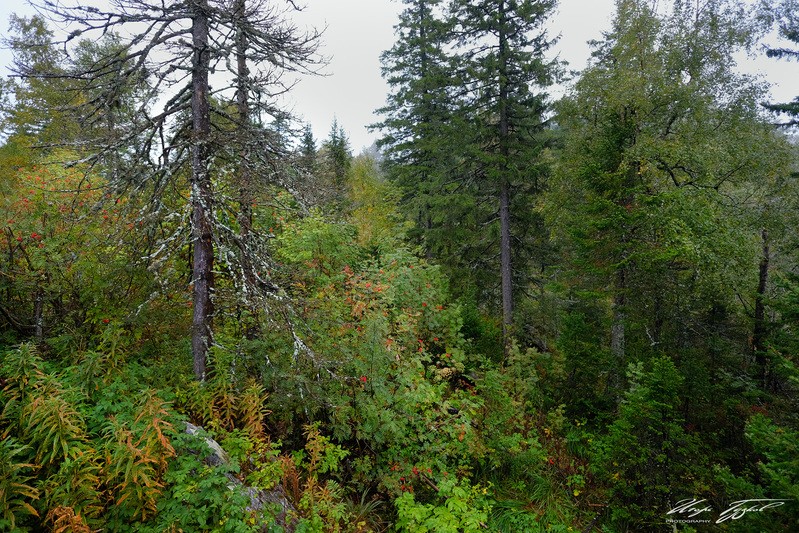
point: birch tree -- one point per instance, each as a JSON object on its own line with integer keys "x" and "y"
{"x": 663, "y": 142}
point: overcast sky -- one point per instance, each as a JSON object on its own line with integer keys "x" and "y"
{"x": 357, "y": 31}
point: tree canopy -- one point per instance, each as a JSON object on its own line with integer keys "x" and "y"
{"x": 517, "y": 312}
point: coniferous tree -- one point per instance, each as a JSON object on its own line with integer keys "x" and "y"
{"x": 786, "y": 15}
{"x": 244, "y": 126}
{"x": 197, "y": 37}
{"x": 50, "y": 107}
{"x": 307, "y": 155}
{"x": 775, "y": 208}
{"x": 337, "y": 155}
{"x": 500, "y": 52}
{"x": 464, "y": 134}
{"x": 418, "y": 121}
{"x": 202, "y": 197}
{"x": 38, "y": 108}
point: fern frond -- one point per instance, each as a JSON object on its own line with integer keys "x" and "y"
{"x": 16, "y": 494}
{"x": 252, "y": 409}
{"x": 64, "y": 519}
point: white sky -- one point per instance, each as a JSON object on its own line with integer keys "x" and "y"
{"x": 357, "y": 31}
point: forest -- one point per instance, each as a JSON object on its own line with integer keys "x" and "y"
{"x": 517, "y": 312}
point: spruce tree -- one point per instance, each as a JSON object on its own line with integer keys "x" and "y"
{"x": 464, "y": 132}
{"x": 418, "y": 122}
{"x": 307, "y": 155}
{"x": 337, "y": 156}
{"x": 179, "y": 45}
{"x": 500, "y": 52}
{"x": 786, "y": 15}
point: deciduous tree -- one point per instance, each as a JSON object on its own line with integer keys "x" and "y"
{"x": 664, "y": 139}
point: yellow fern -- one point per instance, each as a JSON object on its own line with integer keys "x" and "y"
{"x": 65, "y": 520}
{"x": 15, "y": 493}
{"x": 252, "y": 410}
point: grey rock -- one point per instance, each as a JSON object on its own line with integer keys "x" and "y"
{"x": 276, "y": 499}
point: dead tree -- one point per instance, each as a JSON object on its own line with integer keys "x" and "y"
{"x": 182, "y": 49}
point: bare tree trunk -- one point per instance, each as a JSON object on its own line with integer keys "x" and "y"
{"x": 618, "y": 327}
{"x": 244, "y": 170}
{"x": 38, "y": 314}
{"x": 759, "y": 332}
{"x": 243, "y": 110}
{"x": 201, "y": 193}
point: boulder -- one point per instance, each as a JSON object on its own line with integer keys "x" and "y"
{"x": 275, "y": 498}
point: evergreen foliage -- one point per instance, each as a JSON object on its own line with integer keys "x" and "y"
{"x": 420, "y": 125}
{"x": 364, "y": 375}
{"x": 787, "y": 20}
{"x": 464, "y": 137}
{"x": 337, "y": 155}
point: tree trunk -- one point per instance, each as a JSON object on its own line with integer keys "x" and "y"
{"x": 428, "y": 225}
{"x": 201, "y": 193}
{"x": 427, "y": 221}
{"x": 759, "y": 332}
{"x": 38, "y": 314}
{"x": 504, "y": 188}
{"x": 244, "y": 171}
{"x": 243, "y": 110}
{"x": 618, "y": 327}
{"x": 505, "y": 260}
